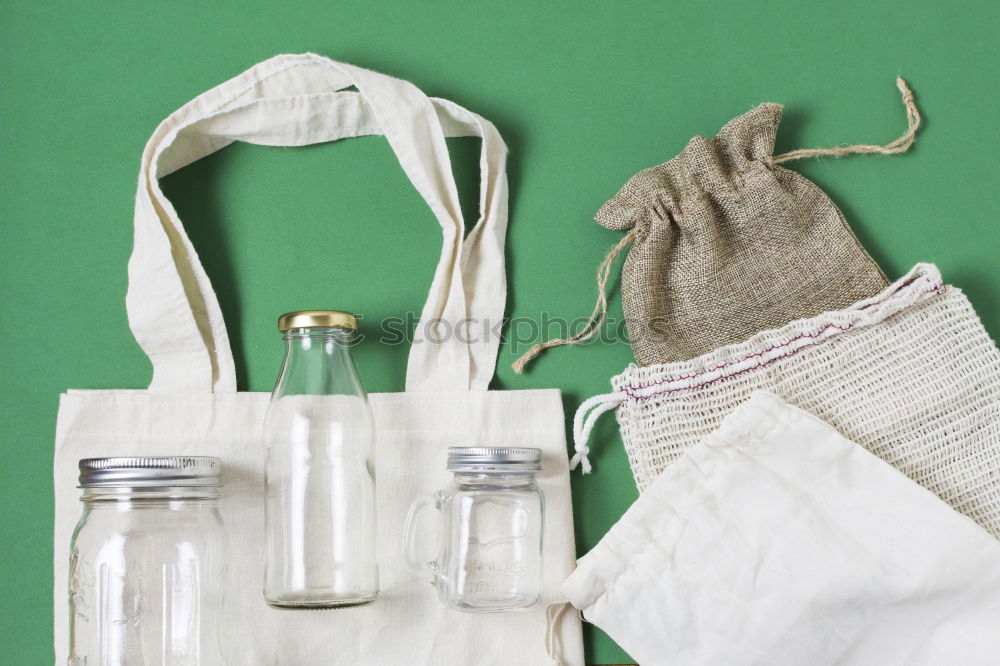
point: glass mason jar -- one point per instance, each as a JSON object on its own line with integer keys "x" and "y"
{"x": 320, "y": 435}
{"x": 147, "y": 561}
{"x": 486, "y": 553}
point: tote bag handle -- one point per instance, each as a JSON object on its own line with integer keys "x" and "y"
{"x": 296, "y": 100}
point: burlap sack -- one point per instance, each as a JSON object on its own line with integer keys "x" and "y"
{"x": 726, "y": 243}
{"x": 729, "y": 244}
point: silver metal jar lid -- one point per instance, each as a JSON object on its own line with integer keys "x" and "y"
{"x": 150, "y": 472}
{"x": 492, "y": 459}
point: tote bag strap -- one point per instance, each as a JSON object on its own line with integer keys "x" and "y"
{"x": 295, "y": 100}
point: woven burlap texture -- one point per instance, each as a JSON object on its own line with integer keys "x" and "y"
{"x": 910, "y": 374}
{"x": 730, "y": 244}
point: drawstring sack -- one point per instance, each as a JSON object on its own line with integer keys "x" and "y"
{"x": 775, "y": 540}
{"x": 910, "y": 374}
{"x": 726, "y": 243}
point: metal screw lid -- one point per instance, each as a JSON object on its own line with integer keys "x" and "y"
{"x": 317, "y": 319}
{"x": 150, "y": 472}
{"x": 498, "y": 460}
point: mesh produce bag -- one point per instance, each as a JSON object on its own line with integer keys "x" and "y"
{"x": 726, "y": 243}
{"x": 910, "y": 374}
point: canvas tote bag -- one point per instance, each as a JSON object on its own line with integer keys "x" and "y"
{"x": 776, "y": 541}
{"x": 910, "y": 374}
{"x": 192, "y": 406}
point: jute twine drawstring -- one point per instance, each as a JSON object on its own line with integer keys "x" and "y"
{"x": 597, "y": 317}
{"x": 900, "y": 145}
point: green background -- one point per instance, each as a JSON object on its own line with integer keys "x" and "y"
{"x": 585, "y": 94}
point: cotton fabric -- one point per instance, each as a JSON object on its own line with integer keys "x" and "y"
{"x": 730, "y": 244}
{"x": 777, "y": 541}
{"x": 192, "y": 406}
{"x": 910, "y": 374}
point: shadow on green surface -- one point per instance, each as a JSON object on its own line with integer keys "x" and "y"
{"x": 194, "y": 194}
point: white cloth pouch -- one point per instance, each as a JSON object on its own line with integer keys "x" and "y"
{"x": 192, "y": 406}
{"x": 776, "y": 541}
{"x": 910, "y": 374}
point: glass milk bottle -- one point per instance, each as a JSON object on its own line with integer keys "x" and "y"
{"x": 320, "y": 475}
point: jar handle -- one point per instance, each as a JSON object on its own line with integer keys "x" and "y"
{"x": 428, "y": 570}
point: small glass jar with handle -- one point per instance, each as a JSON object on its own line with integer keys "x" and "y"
{"x": 482, "y": 550}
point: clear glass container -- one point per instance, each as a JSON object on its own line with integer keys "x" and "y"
{"x": 482, "y": 550}
{"x": 147, "y": 562}
{"x": 320, "y": 471}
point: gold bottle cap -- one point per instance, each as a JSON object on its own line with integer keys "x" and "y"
{"x": 317, "y": 319}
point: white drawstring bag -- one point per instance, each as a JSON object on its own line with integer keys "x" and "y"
{"x": 910, "y": 374}
{"x": 192, "y": 407}
{"x": 778, "y": 542}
